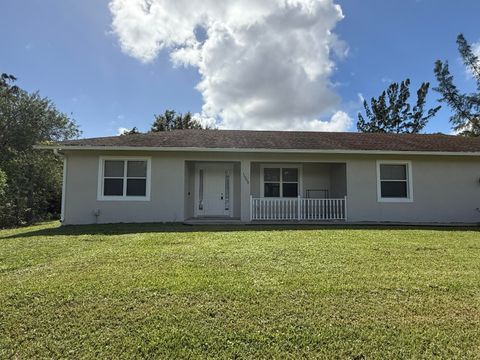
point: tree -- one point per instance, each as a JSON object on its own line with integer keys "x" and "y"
{"x": 32, "y": 178}
{"x": 466, "y": 107}
{"x": 3, "y": 183}
{"x": 391, "y": 112}
{"x": 170, "y": 120}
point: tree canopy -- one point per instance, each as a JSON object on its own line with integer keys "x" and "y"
{"x": 170, "y": 120}
{"x": 31, "y": 179}
{"x": 392, "y": 113}
{"x": 465, "y": 106}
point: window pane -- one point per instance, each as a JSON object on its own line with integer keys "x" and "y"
{"x": 227, "y": 190}
{"x": 271, "y": 174}
{"x": 113, "y": 168}
{"x": 113, "y": 187}
{"x": 272, "y": 190}
{"x": 393, "y": 172}
{"x": 200, "y": 189}
{"x": 227, "y": 185}
{"x": 290, "y": 190}
{"x": 137, "y": 169}
{"x": 394, "y": 189}
{"x": 136, "y": 187}
{"x": 289, "y": 174}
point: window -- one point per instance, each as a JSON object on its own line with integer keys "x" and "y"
{"x": 200, "y": 189}
{"x": 280, "y": 181}
{"x": 394, "y": 181}
{"x": 124, "y": 179}
{"x": 227, "y": 190}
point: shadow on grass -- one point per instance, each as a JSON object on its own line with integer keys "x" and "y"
{"x": 124, "y": 228}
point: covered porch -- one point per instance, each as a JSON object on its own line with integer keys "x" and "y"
{"x": 248, "y": 191}
{"x": 298, "y": 192}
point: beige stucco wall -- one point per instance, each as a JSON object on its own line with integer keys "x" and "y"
{"x": 338, "y": 180}
{"x": 255, "y": 179}
{"x": 445, "y": 189}
{"x": 315, "y": 176}
{"x": 167, "y": 192}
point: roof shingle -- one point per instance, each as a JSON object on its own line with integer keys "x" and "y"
{"x": 284, "y": 140}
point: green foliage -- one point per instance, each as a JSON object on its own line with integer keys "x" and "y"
{"x": 33, "y": 177}
{"x": 153, "y": 291}
{"x": 391, "y": 112}
{"x": 465, "y": 106}
{"x": 170, "y": 120}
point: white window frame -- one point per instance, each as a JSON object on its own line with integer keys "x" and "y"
{"x": 101, "y": 169}
{"x": 281, "y": 166}
{"x": 409, "y": 181}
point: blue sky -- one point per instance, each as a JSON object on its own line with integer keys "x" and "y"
{"x": 67, "y": 50}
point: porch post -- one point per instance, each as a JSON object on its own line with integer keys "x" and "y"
{"x": 299, "y": 211}
{"x": 245, "y": 190}
{"x": 251, "y": 207}
{"x": 345, "y": 209}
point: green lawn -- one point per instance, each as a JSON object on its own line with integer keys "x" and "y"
{"x": 170, "y": 291}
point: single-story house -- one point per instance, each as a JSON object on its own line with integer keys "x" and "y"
{"x": 270, "y": 176}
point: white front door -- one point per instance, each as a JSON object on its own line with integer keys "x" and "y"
{"x": 214, "y": 190}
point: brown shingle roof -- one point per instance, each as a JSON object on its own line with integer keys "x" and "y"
{"x": 285, "y": 140}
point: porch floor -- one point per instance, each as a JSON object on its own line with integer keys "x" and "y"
{"x": 296, "y": 222}
{"x": 361, "y": 224}
{"x": 237, "y": 221}
{"x": 213, "y": 220}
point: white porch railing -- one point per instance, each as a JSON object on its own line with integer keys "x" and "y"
{"x": 298, "y": 209}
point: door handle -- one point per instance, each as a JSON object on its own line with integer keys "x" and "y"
{"x": 221, "y": 196}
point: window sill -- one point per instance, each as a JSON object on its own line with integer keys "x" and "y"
{"x": 279, "y": 197}
{"x": 394, "y": 200}
{"x": 123, "y": 198}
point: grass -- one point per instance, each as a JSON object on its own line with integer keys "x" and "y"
{"x": 171, "y": 291}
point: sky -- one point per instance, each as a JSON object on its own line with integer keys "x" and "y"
{"x": 236, "y": 64}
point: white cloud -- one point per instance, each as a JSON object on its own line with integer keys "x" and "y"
{"x": 121, "y": 130}
{"x": 264, "y": 64}
{"x": 476, "y": 49}
{"x": 340, "y": 121}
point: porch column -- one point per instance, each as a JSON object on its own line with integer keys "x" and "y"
{"x": 245, "y": 190}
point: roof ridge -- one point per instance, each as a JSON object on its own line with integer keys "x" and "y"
{"x": 279, "y": 132}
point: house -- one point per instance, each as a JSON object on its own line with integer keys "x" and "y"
{"x": 270, "y": 176}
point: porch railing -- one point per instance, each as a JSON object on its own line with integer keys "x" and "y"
{"x": 298, "y": 209}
